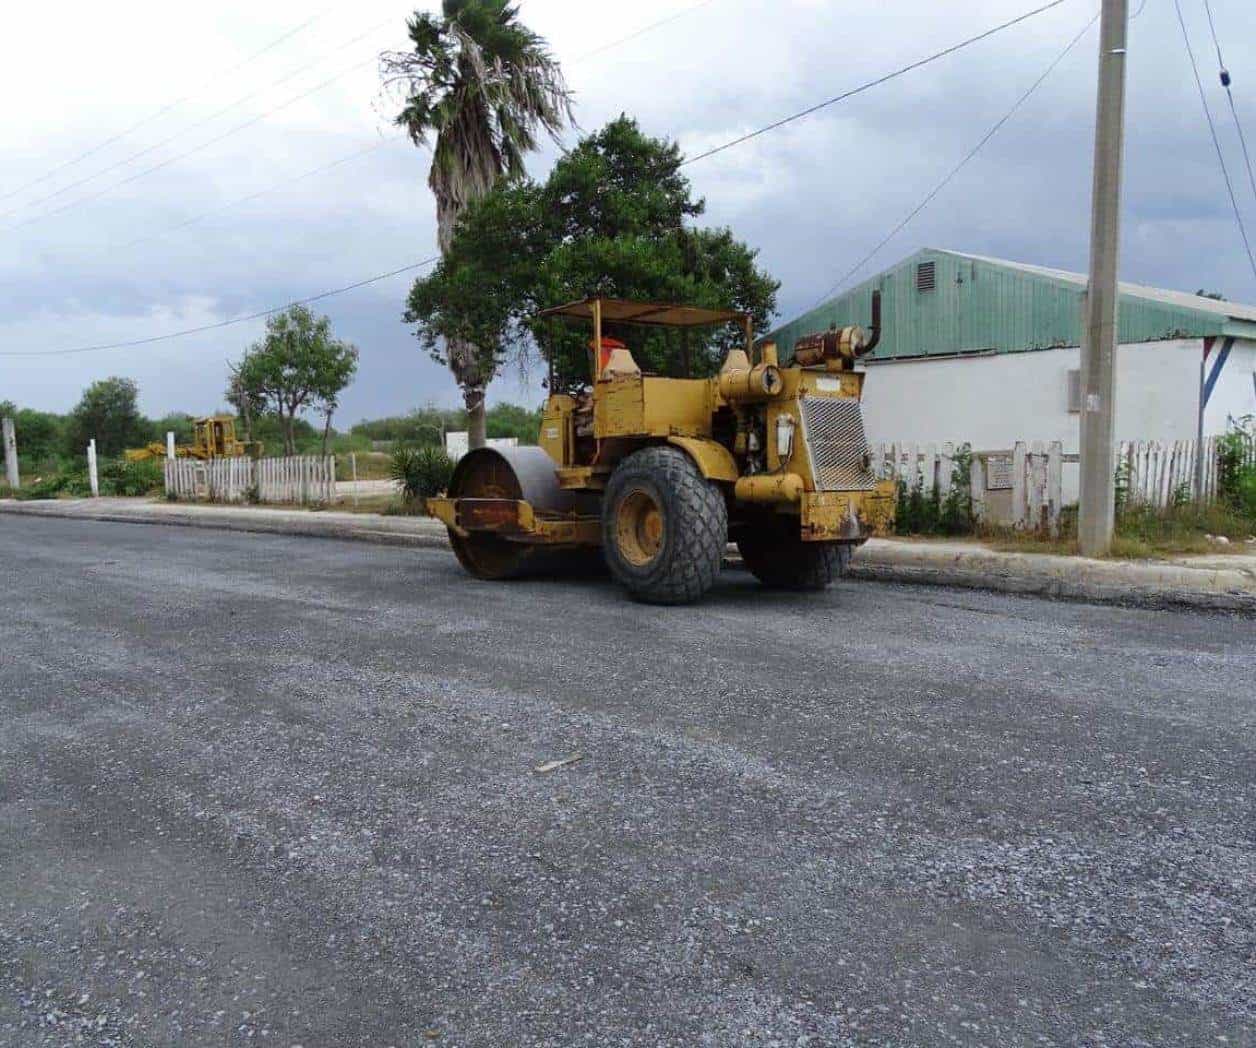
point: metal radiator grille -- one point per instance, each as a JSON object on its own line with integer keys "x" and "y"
{"x": 834, "y": 432}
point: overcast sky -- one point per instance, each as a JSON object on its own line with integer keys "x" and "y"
{"x": 813, "y": 197}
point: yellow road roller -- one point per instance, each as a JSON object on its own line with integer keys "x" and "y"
{"x": 661, "y": 472}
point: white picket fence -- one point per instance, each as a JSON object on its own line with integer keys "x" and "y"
{"x": 1021, "y": 486}
{"x": 300, "y": 479}
{"x": 1159, "y": 473}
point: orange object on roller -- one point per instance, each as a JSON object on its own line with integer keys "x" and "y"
{"x": 609, "y": 345}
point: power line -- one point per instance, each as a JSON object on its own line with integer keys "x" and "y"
{"x": 313, "y": 171}
{"x": 223, "y": 323}
{"x": 417, "y": 265}
{"x": 946, "y": 180}
{"x": 1212, "y": 130}
{"x": 187, "y": 153}
{"x": 292, "y": 74}
{"x": 1224, "y": 74}
{"x": 254, "y": 196}
{"x": 873, "y": 83}
{"x": 643, "y": 30}
{"x": 157, "y": 114}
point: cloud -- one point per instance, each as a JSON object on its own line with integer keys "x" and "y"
{"x": 813, "y": 196}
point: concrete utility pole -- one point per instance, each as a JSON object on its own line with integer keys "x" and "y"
{"x": 10, "y": 456}
{"x": 92, "y": 477}
{"x": 1099, "y": 336}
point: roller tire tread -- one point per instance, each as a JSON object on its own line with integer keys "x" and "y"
{"x": 689, "y": 568}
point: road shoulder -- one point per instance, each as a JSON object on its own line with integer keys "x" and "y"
{"x": 1211, "y": 583}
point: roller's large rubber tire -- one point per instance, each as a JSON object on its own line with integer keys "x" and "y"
{"x": 664, "y": 527}
{"x": 779, "y": 558}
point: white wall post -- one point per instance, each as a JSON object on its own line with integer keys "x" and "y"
{"x": 169, "y": 443}
{"x": 93, "y": 479}
{"x": 10, "y": 455}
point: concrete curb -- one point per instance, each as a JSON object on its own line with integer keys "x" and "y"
{"x": 1138, "y": 583}
{"x": 358, "y": 527}
{"x": 882, "y": 560}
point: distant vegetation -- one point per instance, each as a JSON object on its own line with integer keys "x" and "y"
{"x": 52, "y": 447}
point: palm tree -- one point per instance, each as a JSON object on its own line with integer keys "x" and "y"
{"x": 481, "y": 83}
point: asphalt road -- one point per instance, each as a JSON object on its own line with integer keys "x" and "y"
{"x": 259, "y": 790}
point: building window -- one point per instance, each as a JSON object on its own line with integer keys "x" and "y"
{"x": 1075, "y": 391}
{"x": 926, "y": 277}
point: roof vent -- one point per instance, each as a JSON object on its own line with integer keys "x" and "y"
{"x": 926, "y": 277}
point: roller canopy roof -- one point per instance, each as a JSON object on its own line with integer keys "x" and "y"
{"x": 626, "y": 311}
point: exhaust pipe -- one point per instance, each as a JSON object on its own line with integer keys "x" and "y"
{"x": 837, "y": 349}
{"x": 871, "y": 344}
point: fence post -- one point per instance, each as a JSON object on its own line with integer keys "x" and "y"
{"x": 977, "y": 485}
{"x": 1055, "y": 486}
{"x": 946, "y": 466}
{"x": 1019, "y": 465}
{"x": 169, "y": 443}
{"x": 10, "y": 456}
{"x": 353, "y": 466}
{"x": 93, "y": 479}
{"x": 1036, "y": 483}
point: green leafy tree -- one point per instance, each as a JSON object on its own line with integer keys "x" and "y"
{"x": 297, "y": 366}
{"x": 481, "y": 84}
{"x": 108, "y": 413}
{"x": 612, "y": 219}
{"x": 40, "y": 434}
{"x": 511, "y": 420}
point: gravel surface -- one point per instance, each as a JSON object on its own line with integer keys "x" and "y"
{"x": 268, "y": 790}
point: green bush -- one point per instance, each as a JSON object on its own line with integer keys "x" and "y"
{"x": 421, "y": 472}
{"x": 119, "y": 477}
{"x": 116, "y": 477}
{"x": 918, "y": 513}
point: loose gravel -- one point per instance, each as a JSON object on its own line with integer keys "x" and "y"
{"x": 266, "y": 790}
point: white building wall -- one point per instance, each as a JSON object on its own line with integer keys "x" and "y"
{"x": 992, "y": 401}
{"x": 1234, "y": 395}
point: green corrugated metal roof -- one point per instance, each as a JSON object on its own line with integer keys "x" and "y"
{"x": 990, "y": 305}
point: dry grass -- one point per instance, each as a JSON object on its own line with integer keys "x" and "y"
{"x": 372, "y": 465}
{"x": 1145, "y": 533}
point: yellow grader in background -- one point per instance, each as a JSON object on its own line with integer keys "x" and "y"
{"x": 662, "y": 472}
{"x": 212, "y": 437}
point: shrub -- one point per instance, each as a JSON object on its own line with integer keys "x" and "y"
{"x": 919, "y": 513}
{"x": 422, "y": 472}
{"x": 120, "y": 477}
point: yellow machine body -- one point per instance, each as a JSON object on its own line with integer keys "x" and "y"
{"x": 814, "y": 477}
{"x": 213, "y": 436}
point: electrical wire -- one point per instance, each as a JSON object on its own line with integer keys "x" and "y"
{"x": 1212, "y": 130}
{"x": 872, "y": 83}
{"x": 643, "y": 30}
{"x": 187, "y": 153}
{"x": 291, "y": 75}
{"x": 218, "y": 325}
{"x": 428, "y": 261}
{"x": 1224, "y": 75}
{"x": 169, "y": 106}
{"x": 946, "y": 180}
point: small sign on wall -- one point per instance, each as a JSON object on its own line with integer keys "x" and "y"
{"x": 998, "y": 472}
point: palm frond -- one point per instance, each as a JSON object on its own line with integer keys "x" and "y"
{"x": 481, "y": 83}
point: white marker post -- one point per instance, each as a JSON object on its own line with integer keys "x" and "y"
{"x": 170, "y": 444}
{"x": 91, "y": 469}
{"x": 10, "y": 456}
{"x": 353, "y": 465}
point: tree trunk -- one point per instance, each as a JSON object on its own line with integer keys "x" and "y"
{"x": 473, "y": 398}
{"x": 326, "y": 430}
{"x": 289, "y": 440}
